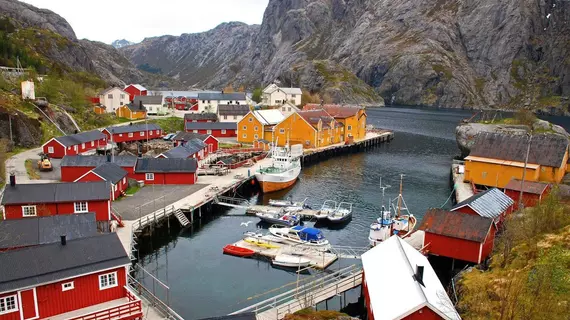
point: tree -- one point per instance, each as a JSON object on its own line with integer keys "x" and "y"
{"x": 257, "y": 93}
{"x": 229, "y": 89}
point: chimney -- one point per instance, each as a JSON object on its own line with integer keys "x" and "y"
{"x": 140, "y": 104}
{"x": 419, "y": 276}
{"x": 12, "y": 180}
{"x": 108, "y": 157}
{"x": 63, "y": 240}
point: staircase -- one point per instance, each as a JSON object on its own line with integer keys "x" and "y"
{"x": 181, "y": 218}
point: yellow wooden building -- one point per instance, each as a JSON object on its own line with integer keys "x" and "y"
{"x": 131, "y": 112}
{"x": 496, "y": 159}
{"x": 258, "y": 125}
{"x": 353, "y": 119}
{"x": 312, "y": 129}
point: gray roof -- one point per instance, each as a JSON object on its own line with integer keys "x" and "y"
{"x": 95, "y": 161}
{"x": 133, "y": 128}
{"x": 237, "y": 96}
{"x": 210, "y": 126}
{"x": 147, "y": 100}
{"x": 490, "y": 203}
{"x": 187, "y": 136}
{"x": 233, "y": 110}
{"x": 52, "y": 262}
{"x": 136, "y": 107}
{"x": 80, "y": 138}
{"x": 34, "y": 231}
{"x": 201, "y": 116}
{"x": 110, "y": 172}
{"x": 55, "y": 192}
{"x": 187, "y": 150}
{"x": 166, "y": 165}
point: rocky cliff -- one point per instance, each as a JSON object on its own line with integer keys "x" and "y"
{"x": 451, "y": 53}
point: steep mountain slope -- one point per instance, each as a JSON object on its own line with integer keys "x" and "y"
{"x": 121, "y": 43}
{"x": 452, "y": 53}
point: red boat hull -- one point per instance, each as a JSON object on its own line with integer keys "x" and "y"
{"x": 238, "y": 251}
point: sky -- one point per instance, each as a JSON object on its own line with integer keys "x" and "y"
{"x": 109, "y": 20}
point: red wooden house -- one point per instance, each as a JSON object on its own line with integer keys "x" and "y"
{"x": 457, "y": 235}
{"x": 112, "y": 174}
{"x": 74, "y": 144}
{"x": 491, "y": 203}
{"x": 399, "y": 283}
{"x": 532, "y": 192}
{"x": 135, "y": 90}
{"x": 200, "y": 117}
{"x": 49, "y": 199}
{"x": 133, "y": 132}
{"x": 211, "y": 142}
{"x": 216, "y": 129}
{"x": 166, "y": 171}
{"x": 194, "y": 148}
{"x": 75, "y": 279}
{"x": 73, "y": 167}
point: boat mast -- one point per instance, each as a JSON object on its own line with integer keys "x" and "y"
{"x": 400, "y": 195}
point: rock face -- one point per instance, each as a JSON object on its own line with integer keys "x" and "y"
{"x": 121, "y": 43}
{"x": 451, "y": 53}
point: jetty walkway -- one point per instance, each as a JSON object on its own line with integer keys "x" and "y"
{"x": 463, "y": 190}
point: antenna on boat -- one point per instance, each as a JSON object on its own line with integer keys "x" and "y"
{"x": 383, "y": 208}
{"x": 400, "y": 195}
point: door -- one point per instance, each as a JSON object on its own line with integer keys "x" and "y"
{"x": 28, "y": 304}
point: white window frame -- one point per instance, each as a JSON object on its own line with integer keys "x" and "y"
{"x": 250, "y": 119}
{"x": 110, "y": 96}
{"x": 83, "y": 145}
{"x": 209, "y": 131}
{"x": 92, "y": 143}
{"x": 235, "y": 117}
{"x": 255, "y": 136}
{"x": 80, "y": 210}
{"x": 225, "y": 117}
{"x": 223, "y": 131}
{"x": 130, "y": 134}
{"x": 120, "y": 134}
{"x": 255, "y": 128}
{"x": 114, "y": 188}
{"x": 157, "y": 131}
{"x": 51, "y": 150}
{"x": 124, "y": 180}
{"x": 141, "y": 133}
{"x": 67, "y": 286}
{"x": 108, "y": 277}
{"x": 244, "y": 127}
{"x": 29, "y": 215}
{"x": 244, "y": 136}
{"x": 3, "y": 302}
{"x": 149, "y": 176}
{"x": 122, "y": 96}
{"x": 195, "y": 131}
{"x": 281, "y": 130}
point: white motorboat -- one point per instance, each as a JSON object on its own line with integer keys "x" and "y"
{"x": 329, "y": 206}
{"x": 342, "y": 213}
{"x": 281, "y": 218}
{"x": 310, "y": 237}
{"x": 261, "y": 236}
{"x": 291, "y": 261}
{"x": 287, "y": 203}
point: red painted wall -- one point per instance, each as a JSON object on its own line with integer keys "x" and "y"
{"x": 452, "y": 247}
{"x": 28, "y": 304}
{"x": 132, "y": 91}
{"x": 168, "y": 178}
{"x": 101, "y": 209}
{"x": 217, "y": 133}
{"x": 488, "y": 245}
{"x": 70, "y": 174}
{"x": 529, "y": 199}
{"x": 214, "y": 142}
{"x": 60, "y": 151}
{"x": 124, "y": 137}
{"x": 424, "y": 313}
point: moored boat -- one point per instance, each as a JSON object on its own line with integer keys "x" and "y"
{"x": 237, "y": 251}
{"x": 343, "y": 213}
{"x": 291, "y": 261}
{"x": 281, "y": 218}
{"x": 287, "y": 203}
{"x": 267, "y": 237}
{"x": 328, "y": 207}
{"x": 310, "y": 237}
{"x": 284, "y": 170}
{"x": 261, "y": 243}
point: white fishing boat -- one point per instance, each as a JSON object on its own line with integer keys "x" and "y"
{"x": 310, "y": 237}
{"x": 291, "y": 261}
{"x": 343, "y": 213}
{"x": 267, "y": 237}
{"x": 280, "y": 217}
{"x": 284, "y": 170}
{"x": 328, "y": 207}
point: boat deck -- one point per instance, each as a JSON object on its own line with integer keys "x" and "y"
{"x": 305, "y": 213}
{"x": 319, "y": 260}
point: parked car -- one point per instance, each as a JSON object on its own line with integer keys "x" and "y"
{"x": 169, "y": 137}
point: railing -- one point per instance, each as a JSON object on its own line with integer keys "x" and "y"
{"x": 238, "y": 150}
{"x": 133, "y": 309}
{"x": 153, "y": 217}
{"x": 153, "y": 300}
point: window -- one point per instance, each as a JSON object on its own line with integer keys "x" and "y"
{"x": 195, "y": 131}
{"x": 67, "y": 286}
{"x": 203, "y": 101}
{"x": 149, "y": 108}
{"x": 255, "y": 128}
{"x": 120, "y": 134}
{"x": 349, "y": 128}
{"x": 92, "y": 143}
{"x": 255, "y": 136}
{"x": 109, "y": 96}
{"x": 209, "y": 132}
{"x": 80, "y": 207}
{"x": 107, "y": 281}
{"x": 293, "y": 96}
{"x": 130, "y": 134}
{"x": 289, "y": 109}
{"x": 142, "y": 133}
{"x": 230, "y": 102}
{"x": 244, "y": 127}
{"x": 283, "y": 108}
{"x": 149, "y": 176}
{"x": 157, "y": 131}
{"x": 484, "y": 175}
{"x": 307, "y": 142}
{"x": 209, "y": 101}
{"x": 225, "y": 117}
{"x": 250, "y": 119}
{"x": 29, "y": 211}
{"x": 124, "y": 180}
{"x": 50, "y": 150}
{"x": 115, "y": 188}
{"x": 8, "y": 304}
{"x": 223, "y": 131}
{"x": 83, "y": 146}
{"x": 122, "y": 96}
{"x": 281, "y": 131}
{"x": 235, "y": 117}
{"x": 244, "y": 136}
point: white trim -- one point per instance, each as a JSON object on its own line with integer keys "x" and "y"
{"x": 29, "y": 206}
{"x": 412, "y": 310}
{"x": 81, "y": 211}
{"x": 88, "y": 172}
{"x": 50, "y": 149}
{"x": 116, "y": 278}
{"x": 146, "y": 176}
{"x": 54, "y": 139}
{"x": 36, "y": 305}
{"x": 480, "y": 252}
{"x": 63, "y": 288}
{"x": 108, "y": 210}
{"x": 17, "y": 304}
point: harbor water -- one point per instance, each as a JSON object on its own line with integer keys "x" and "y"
{"x": 205, "y": 283}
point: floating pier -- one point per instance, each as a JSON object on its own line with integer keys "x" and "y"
{"x": 255, "y": 209}
{"x": 463, "y": 190}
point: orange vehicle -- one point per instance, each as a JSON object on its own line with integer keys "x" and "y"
{"x": 44, "y": 164}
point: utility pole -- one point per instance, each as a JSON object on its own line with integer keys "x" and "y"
{"x": 524, "y": 170}
{"x": 10, "y": 120}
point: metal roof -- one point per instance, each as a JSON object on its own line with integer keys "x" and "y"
{"x": 155, "y": 165}
{"x": 185, "y": 150}
{"x": 489, "y": 203}
{"x": 134, "y": 128}
{"x": 80, "y": 138}
{"x": 187, "y": 136}
{"x": 41, "y": 230}
{"x": 456, "y": 225}
{"x": 137, "y": 86}
{"x": 139, "y": 107}
{"x": 237, "y": 96}
{"x": 95, "y": 161}
{"x": 210, "y": 126}
{"x": 335, "y": 110}
{"x": 269, "y": 116}
{"x": 527, "y": 187}
{"x": 52, "y": 262}
{"x": 147, "y": 100}
{"x": 201, "y": 116}
{"x": 110, "y": 172}
{"x": 55, "y": 192}
{"x": 233, "y": 110}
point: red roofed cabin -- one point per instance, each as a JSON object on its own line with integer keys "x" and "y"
{"x": 457, "y": 235}
{"x": 211, "y": 142}
{"x": 74, "y": 144}
{"x": 166, "y": 171}
{"x": 112, "y": 174}
{"x": 133, "y": 132}
{"x": 135, "y": 90}
{"x": 48, "y": 199}
{"x": 83, "y": 278}
{"x": 532, "y": 195}
{"x": 73, "y": 167}
{"x": 491, "y": 203}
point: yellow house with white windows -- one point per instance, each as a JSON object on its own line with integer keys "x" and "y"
{"x": 258, "y": 125}
{"x": 353, "y": 118}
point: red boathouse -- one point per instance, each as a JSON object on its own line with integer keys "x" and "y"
{"x": 491, "y": 203}
{"x": 133, "y": 132}
{"x": 211, "y": 142}
{"x": 74, "y": 144}
{"x": 135, "y": 90}
{"x": 216, "y": 129}
{"x": 194, "y": 148}
{"x": 200, "y": 117}
{"x": 112, "y": 174}
{"x": 166, "y": 171}
{"x": 73, "y": 167}
{"x": 532, "y": 192}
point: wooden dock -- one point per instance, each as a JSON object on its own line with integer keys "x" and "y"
{"x": 463, "y": 190}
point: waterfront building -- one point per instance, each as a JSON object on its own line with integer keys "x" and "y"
{"x": 273, "y": 95}
{"x": 153, "y": 104}
{"x": 74, "y": 144}
{"x": 232, "y": 113}
{"x": 132, "y": 111}
{"x": 194, "y": 148}
{"x": 73, "y": 278}
{"x": 532, "y": 192}
{"x": 200, "y": 117}
{"x": 111, "y": 173}
{"x": 209, "y": 101}
{"x": 134, "y": 90}
{"x": 216, "y": 129}
{"x": 288, "y": 108}
{"x": 166, "y": 171}
{"x": 112, "y": 98}
{"x": 208, "y": 139}
{"x": 491, "y": 203}
{"x": 312, "y": 129}
{"x": 399, "y": 283}
{"x": 496, "y": 159}
{"x": 353, "y": 119}
{"x": 73, "y": 167}
{"x": 133, "y": 132}
{"x": 258, "y": 125}
{"x": 458, "y": 235}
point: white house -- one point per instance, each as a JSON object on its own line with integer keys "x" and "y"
{"x": 232, "y": 113}
{"x": 273, "y": 95}
{"x": 153, "y": 104}
{"x": 209, "y": 101}
{"x": 288, "y": 109}
{"x": 112, "y": 98}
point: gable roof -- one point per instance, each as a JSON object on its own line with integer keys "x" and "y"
{"x": 456, "y": 224}
{"x": 41, "y": 230}
{"x": 186, "y": 150}
{"x": 135, "y": 107}
{"x": 201, "y": 116}
{"x": 137, "y": 86}
{"x": 490, "y": 203}
{"x": 268, "y": 117}
{"x": 133, "y": 128}
{"x": 313, "y": 117}
{"x": 147, "y": 100}
{"x": 237, "y": 96}
{"x": 528, "y": 186}
{"x": 79, "y": 138}
{"x": 210, "y": 126}
{"x": 155, "y": 165}
{"x": 335, "y": 110}
{"x": 52, "y": 262}
{"x": 545, "y": 149}
{"x": 187, "y": 136}
{"x": 95, "y": 161}
{"x": 233, "y": 110}
{"x": 110, "y": 172}
{"x": 394, "y": 297}
{"x": 273, "y": 87}
{"x": 104, "y": 92}
{"x": 55, "y": 192}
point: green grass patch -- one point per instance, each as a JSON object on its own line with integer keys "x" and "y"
{"x": 550, "y": 101}
{"x": 170, "y": 124}
{"x": 310, "y": 314}
{"x": 441, "y": 69}
{"x": 32, "y": 170}
{"x": 132, "y": 190}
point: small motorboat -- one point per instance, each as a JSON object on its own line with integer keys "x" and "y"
{"x": 281, "y": 218}
{"x": 260, "y": 242}
{"x": 238, "y": 251}
{"x": 286, "y": 203}
{"x": 291, "y": 261}
{"x": 310, "y": 237}
{"x": 329, "y": 206}
{"x": 259, "y": 235}
{"x": 342, "y": 214}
